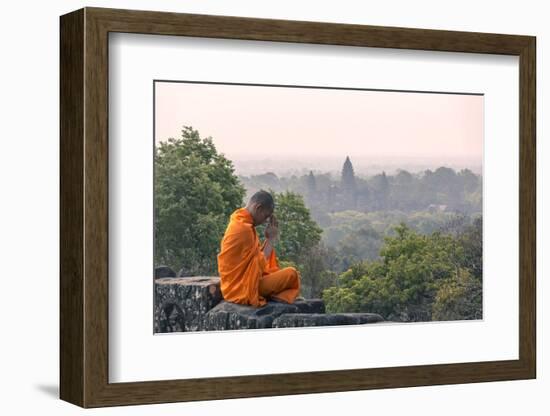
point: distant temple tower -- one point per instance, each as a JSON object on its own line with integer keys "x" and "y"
{"x": 349, "y": 187}
{"x": 311, "y": 183}
{"x": 348, "y": 176}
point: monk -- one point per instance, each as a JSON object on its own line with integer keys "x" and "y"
{"x": 249, "y": 271}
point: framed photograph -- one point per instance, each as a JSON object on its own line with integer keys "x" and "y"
{"x": 257, "y": 207}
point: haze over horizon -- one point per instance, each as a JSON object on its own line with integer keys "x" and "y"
{"x": 282, "y": 129}
{"x": 363, "y": 166}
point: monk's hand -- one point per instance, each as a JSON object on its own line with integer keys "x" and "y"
{"x": 274, "y": 221}
{"x": 269, "y": 232}
{"x": 272, "y": 231}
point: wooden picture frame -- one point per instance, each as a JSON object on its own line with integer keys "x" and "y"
{"x": 84, "y": 207}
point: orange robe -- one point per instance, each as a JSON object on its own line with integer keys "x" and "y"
{"x": 246, "y": 276}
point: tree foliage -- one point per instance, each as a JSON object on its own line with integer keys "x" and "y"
{"x": 440, "y": 189}
{"x": 196, "y": 191}
{"x": 298, "y": 232}
{"x": 419, "y": 278}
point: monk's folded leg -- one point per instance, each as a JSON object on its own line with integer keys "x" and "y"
{"x": 282, "y": 285}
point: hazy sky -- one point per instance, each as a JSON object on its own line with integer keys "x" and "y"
{"x": 252, "y": 121}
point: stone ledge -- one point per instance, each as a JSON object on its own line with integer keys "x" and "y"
{"x": 228, "y": 315}
{"x": 195, "y": 304}
{"x": 181, "y": 302}
{"x": 291, "y": 320}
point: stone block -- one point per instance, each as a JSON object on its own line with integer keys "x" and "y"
{"x": 291, "y": 320}
{"x": 228, "y": 315}
{"x": 181, "y": 302}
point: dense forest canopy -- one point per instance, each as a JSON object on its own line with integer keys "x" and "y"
{"x": 407, "y": 246}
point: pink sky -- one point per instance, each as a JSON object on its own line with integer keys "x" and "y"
{"x": 251, "y": 121}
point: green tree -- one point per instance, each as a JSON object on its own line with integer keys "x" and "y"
{"x": 416, "y": 271}
{"x": 359, "y": 244}
{"x": 470, "y": 181}
{"x": 472, "y": 243}
{"x": 380, "y": 186}
{"x": 459, "y": 298}
{"x": 403, "y": 191}
{"x": 298, "y": 232}
{"x": 196, "y": 191}
{"x": 314, "y": 271}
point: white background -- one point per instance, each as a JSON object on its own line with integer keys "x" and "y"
{"x": 29, "y": 222}
{"x": 136, "y": 355}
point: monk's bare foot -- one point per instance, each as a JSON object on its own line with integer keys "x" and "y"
{"x": 300, "y": 298}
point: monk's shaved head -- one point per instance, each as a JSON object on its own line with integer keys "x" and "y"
{"x": 261, "y": 206}
{"x": 262, "y": 198}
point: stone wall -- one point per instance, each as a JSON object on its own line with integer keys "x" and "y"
{"x": 184, "y": 304}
